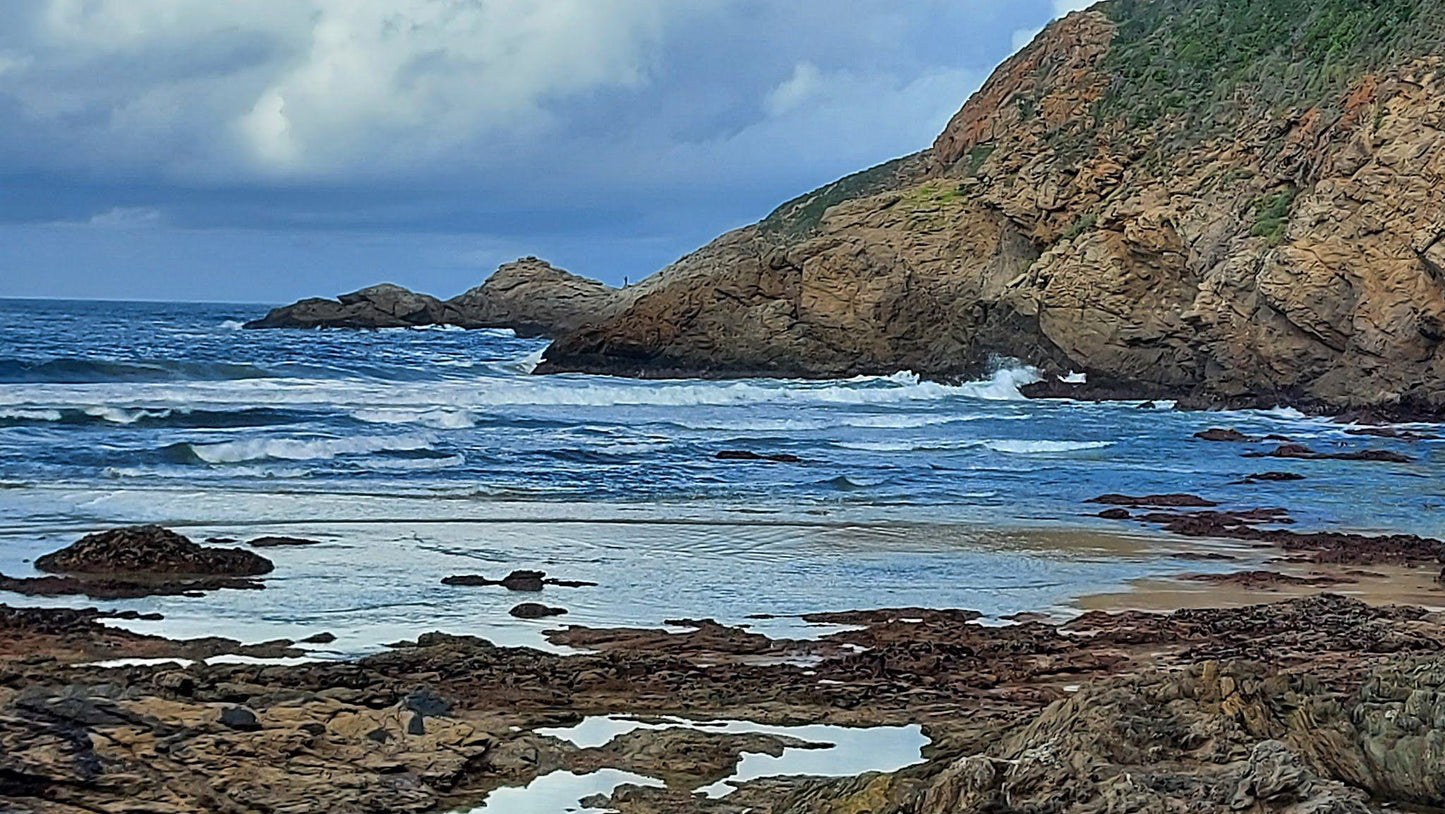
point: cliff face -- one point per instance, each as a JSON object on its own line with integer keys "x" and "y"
{"x": 529, "y": 296}
{"x": 1241, "y": 202}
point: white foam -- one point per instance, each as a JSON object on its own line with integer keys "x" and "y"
{"x": 30, "y": 415}
{"x": 1074, "y": 378}
{"x": 528, "y": 364}
{"x": 305, "y": 449}
{"x": 573, "y": 390}
{"x": 117, "y": 415}
{"x": 233, "y": 325}
{"x": 1014, "y": 447}
{"x": 440, "y": 418}
{"x": 1005, "y": 445}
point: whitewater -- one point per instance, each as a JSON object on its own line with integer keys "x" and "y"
{"x": 415, "y": 454}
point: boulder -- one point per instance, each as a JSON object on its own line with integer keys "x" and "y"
{"x": 150, "y": 551}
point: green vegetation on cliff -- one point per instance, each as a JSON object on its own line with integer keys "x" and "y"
{"x": 1207, "y": 60}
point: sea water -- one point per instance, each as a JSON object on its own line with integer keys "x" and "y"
{"x": 413, "y": 454}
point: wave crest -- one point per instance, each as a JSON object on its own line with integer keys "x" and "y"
{"x": 300, "y": 449}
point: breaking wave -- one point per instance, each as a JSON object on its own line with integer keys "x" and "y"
{"x": 439, "y": 418}
{"x": 295, "y": 449}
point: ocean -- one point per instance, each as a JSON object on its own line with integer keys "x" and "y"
{"x": 414, "y": 454}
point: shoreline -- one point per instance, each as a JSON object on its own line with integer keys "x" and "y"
{"x": 442, "y": 722}
{"x": 458, "y": 717}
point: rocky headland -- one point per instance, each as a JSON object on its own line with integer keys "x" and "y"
{"x": 529, "y": 296}
{"x": 1220, "y": 202}
{"x": 1228, "y": 204}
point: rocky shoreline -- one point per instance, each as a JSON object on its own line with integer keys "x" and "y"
{"x": 1319, "y": 703}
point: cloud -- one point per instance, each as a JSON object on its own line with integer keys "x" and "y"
{"x": 619, "y": 132}
{"x": 793, "y": 91}
{"x": 432, "y": 76}
{"x": 313, "y": 87}
{"x": 127, "y": 217}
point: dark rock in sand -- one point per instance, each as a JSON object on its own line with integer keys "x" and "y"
{"x": 1322, "y": 547}
{"x": 281, "y": 542}
{"x": 1205, "y": 556}
{"x": 1271, "y": 579}
{"x": 534, "y": 610}
{"x": 150, "y": 550}
{"x": 1224, "y": 435}
{"x": 744, "y": 455}
{"x": 1180, "y": 500}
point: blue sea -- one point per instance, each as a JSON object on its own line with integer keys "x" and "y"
{"x": 418, "y": 453}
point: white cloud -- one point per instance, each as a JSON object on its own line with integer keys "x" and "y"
{"x": 437, "y": 74}
{"x": 300, "y": 87}
{"x": 793, "y": 91}
{"x": 124, "y": 217}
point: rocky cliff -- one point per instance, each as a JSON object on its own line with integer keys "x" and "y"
{"x": 1236, "y": 202}
{"x": 529, "y": 296}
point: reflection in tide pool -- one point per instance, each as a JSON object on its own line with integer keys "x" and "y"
{"x": 851, "y": 751}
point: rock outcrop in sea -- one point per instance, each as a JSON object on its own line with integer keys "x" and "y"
{"x": 1237, "y": 203}
{"x": 529, "y": 296}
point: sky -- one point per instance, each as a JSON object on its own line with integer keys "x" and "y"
{"x": 265, "y": 150}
